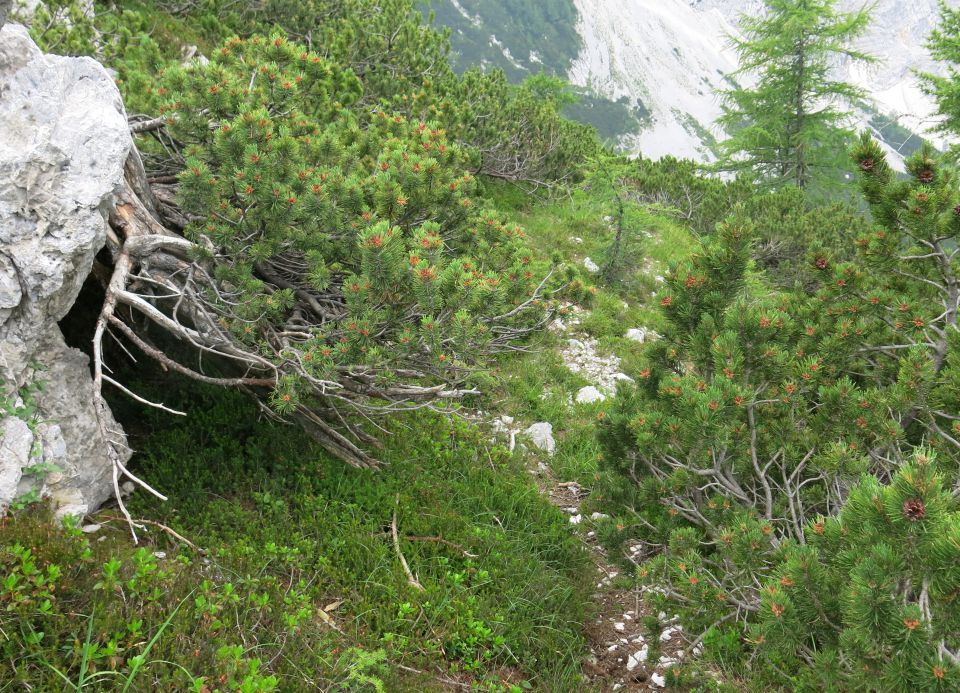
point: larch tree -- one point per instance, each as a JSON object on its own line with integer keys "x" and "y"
{"x": 944, "y": 45}
{"x": 787, "y": 126}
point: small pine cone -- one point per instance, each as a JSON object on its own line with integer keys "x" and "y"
{"x": 821, "y": 263}
{"x": 867, "y": 164}
{"x": 956, "y": 211}
{"x": 914, "y": 510}
{"x": 925, "y": 176}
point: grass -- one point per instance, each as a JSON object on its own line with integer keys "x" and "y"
{"x": 300, "y": 586}
{"x": 288, "y": 531}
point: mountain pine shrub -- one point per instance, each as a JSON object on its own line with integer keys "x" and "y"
{"x": 346, "y": 256}
{"x": 759, "y": 408}
{"x": 870, "y": 600}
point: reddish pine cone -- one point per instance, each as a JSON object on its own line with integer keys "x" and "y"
{"x": 914, "y": 510}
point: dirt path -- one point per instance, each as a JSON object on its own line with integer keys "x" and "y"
{"x": 624, "y": 655}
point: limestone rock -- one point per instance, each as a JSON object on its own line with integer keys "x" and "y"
{"x": 541, "y": 435}
{"x": 589, "y": 395}
{"x": 582, "y": 356}
{"x": 63, "y": 143}
{"x": 590, "y": 265}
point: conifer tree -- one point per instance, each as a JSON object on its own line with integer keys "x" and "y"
{"x": 869, "y": 601}
{"x": 787, "y": 129}
{"x": 335, "y": 263}
{"x": 944, "y": 45}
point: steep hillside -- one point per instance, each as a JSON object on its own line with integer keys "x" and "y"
{"x": 665, "y": 59}
{"x": 524, "y": 37}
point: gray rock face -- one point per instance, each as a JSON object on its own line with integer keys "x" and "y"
{"x": 63, "y": 143}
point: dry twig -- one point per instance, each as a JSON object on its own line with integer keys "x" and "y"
{"x": 396, "y": 547}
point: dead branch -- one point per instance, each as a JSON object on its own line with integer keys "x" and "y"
{"x": 172, "y": 532}
{"x": 396, "y": 547}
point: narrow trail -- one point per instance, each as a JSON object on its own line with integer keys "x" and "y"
{"x": 622, "y": 656}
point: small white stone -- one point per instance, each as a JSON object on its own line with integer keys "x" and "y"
{"x": 541, "y": 434}
{"x": 589, "y": 395}
{"x": 90, "y": 529}
{"x": 667, "y": 634}
{"x": 618, "y": 626}
{"x": 658, "y": 680}
{"x": 638, "y": 658}
{"x": 590, "y": 265}
{"x": 577, "y": 239}
{"x": 160, "y": 554}
{"x": 599, "y": 516}
{"x": 637, "y": 334}
{"x": 576, "y": 519}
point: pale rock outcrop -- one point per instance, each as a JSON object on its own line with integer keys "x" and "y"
{"x": 589, "y": 395}
{"x": 63, "y": 142}
{"x": 541, "y": 435}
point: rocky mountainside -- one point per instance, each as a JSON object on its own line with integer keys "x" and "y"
{"x": 666, "y": 59}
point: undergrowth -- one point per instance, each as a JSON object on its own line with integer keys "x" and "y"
{"x": 300, "y": 587}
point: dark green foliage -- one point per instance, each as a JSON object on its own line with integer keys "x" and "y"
{"x": 537, "y": 33}
{"x": 758, "y": 409}
{"x": 348, "y": 250}
{"x": 289, "y": 530}
{"x": 518, "y": 130}
{"x": 914, "y": 271}
{"x": 796, "y": 235}
{"x": 791, "y": 231}
{"x": 870, "y": 600}
{"x": 680, "y": 188}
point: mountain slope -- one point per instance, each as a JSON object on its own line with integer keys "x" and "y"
{"x": 666, "y": 59}
{"x": 668, "y": 55}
